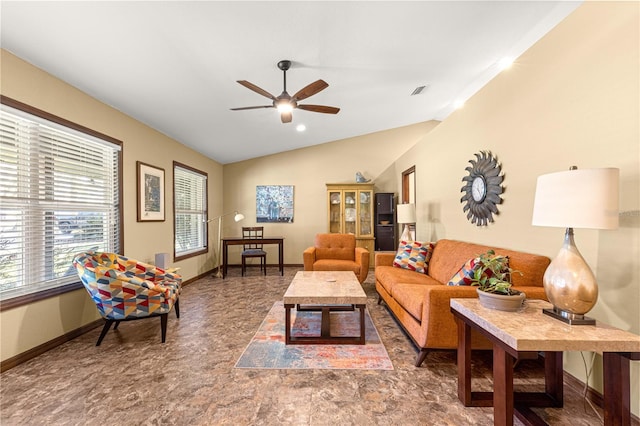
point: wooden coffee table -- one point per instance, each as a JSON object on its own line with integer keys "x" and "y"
{"x": 325, "y": 290}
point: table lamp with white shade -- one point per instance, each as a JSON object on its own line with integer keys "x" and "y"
{"x": 585, "y": 198}
{"x": 237, "y": 218}
{"x": 407, "y": 215}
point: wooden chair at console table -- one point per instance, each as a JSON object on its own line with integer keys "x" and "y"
{"x": 253, "y": 250}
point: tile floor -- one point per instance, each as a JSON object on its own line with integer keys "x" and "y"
{"x": 133, "y": 379}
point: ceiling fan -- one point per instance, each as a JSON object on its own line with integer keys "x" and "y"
{"x": 286, "y": 103}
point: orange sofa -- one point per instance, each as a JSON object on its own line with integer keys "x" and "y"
{"x": 420, "y": 302}
{"x": 337, "y": 252}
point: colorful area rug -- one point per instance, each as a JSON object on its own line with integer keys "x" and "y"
{"x": 267, "y": 348}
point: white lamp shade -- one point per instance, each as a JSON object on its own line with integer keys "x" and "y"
{"x": 407, "y": 213}
{"x": 238, "y": 217}
{"x": 581, "y": 198}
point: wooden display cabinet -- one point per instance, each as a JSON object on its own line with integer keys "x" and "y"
{"x": 350, "y": 211}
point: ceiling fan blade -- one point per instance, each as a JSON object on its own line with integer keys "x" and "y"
{"x": 252, "y": 107}
{"x": 286, "y": 117}
{"x": 320, "y": 108}
{"x": 257, "y": 89}
{"x": 310, "y": 90}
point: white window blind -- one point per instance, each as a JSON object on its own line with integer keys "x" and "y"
{"x": 190, "y": 189}
{"x": 58, "y": 196}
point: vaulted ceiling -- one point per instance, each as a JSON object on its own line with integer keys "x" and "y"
{"x": 174, "y": 64}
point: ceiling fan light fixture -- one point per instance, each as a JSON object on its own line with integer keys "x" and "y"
{"x": 284, "y": 106}
{"x": 286, "y": 103}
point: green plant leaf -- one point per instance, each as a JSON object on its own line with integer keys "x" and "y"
{"x": 498, "y": 280}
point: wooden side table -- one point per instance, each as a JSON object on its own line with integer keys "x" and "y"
{"x": 521, "y": 335}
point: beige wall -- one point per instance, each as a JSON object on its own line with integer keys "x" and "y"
{"x": 309, "y": 170}
{"x": 572, "y": 99}
{"x": 26, "y": 327}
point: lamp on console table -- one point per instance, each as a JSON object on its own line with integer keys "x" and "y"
{"x": 238, "y": 217}
{"x": 586, "y": 198}
{"x": 407, "y": 215}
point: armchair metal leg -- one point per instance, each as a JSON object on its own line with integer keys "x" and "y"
{"x": 115, "y": 326}
{"x": 105, "y": 329}
{"x": 176, "y": 306}
{"x": 163, "y": 325}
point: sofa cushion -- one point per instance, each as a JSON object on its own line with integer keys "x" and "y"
{"x": 414, "y": 256}
{"x": 388, "y": 276}
{"x": 335, "y": 246}
{"x": 448, "y": 255}
{"x": 411, "y": 297}
{"x": 336, "y": 265}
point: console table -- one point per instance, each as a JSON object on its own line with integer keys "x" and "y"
{"x": 231, "y": 241}
{"x": 521, "y": 335}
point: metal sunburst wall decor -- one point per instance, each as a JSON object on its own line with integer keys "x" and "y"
{"x": 482, "y": 188}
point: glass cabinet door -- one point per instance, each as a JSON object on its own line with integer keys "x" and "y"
{"x": 350, "y": 212}
{"x": 365, "y": 200}
{"x": 335, "y": 212}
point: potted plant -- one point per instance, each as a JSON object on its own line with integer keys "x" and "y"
{"x": 493, "y": 279}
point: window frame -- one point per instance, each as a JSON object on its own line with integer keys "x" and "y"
{"x": 26, "y": 299}
{"x": 205, "y": 249}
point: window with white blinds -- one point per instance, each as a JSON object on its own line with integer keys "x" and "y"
{"x": 190, "y": 211}
{"x": 59, "y": 195}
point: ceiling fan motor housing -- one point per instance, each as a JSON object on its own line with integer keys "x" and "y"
{"x": 284, "y": 65}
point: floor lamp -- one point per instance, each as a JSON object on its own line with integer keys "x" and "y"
{"x": 238, "y": 217}
{"x": 586, "y": 198}
{"x": 407, "y": 215}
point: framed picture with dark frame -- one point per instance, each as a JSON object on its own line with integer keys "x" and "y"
{"x": 150, "y": 190}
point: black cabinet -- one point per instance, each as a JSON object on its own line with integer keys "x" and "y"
{"x": 385, "y": 221}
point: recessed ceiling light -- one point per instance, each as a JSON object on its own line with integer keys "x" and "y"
{"x": 301, "y": 127}
{"x": 505, "y": 63}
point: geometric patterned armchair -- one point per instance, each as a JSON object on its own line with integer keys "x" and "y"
{"x": 124, "y": 289}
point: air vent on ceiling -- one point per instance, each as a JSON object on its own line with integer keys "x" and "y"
{"x": 419, "y": 90}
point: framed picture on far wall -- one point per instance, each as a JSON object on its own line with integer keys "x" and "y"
{"x": 150, "y": 191}
{"x": 274, "y": 203}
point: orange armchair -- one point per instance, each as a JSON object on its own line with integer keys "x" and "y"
{"x": 337, "y": 252}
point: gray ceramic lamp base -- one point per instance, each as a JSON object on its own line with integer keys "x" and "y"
{"x": 568, "y": 317}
